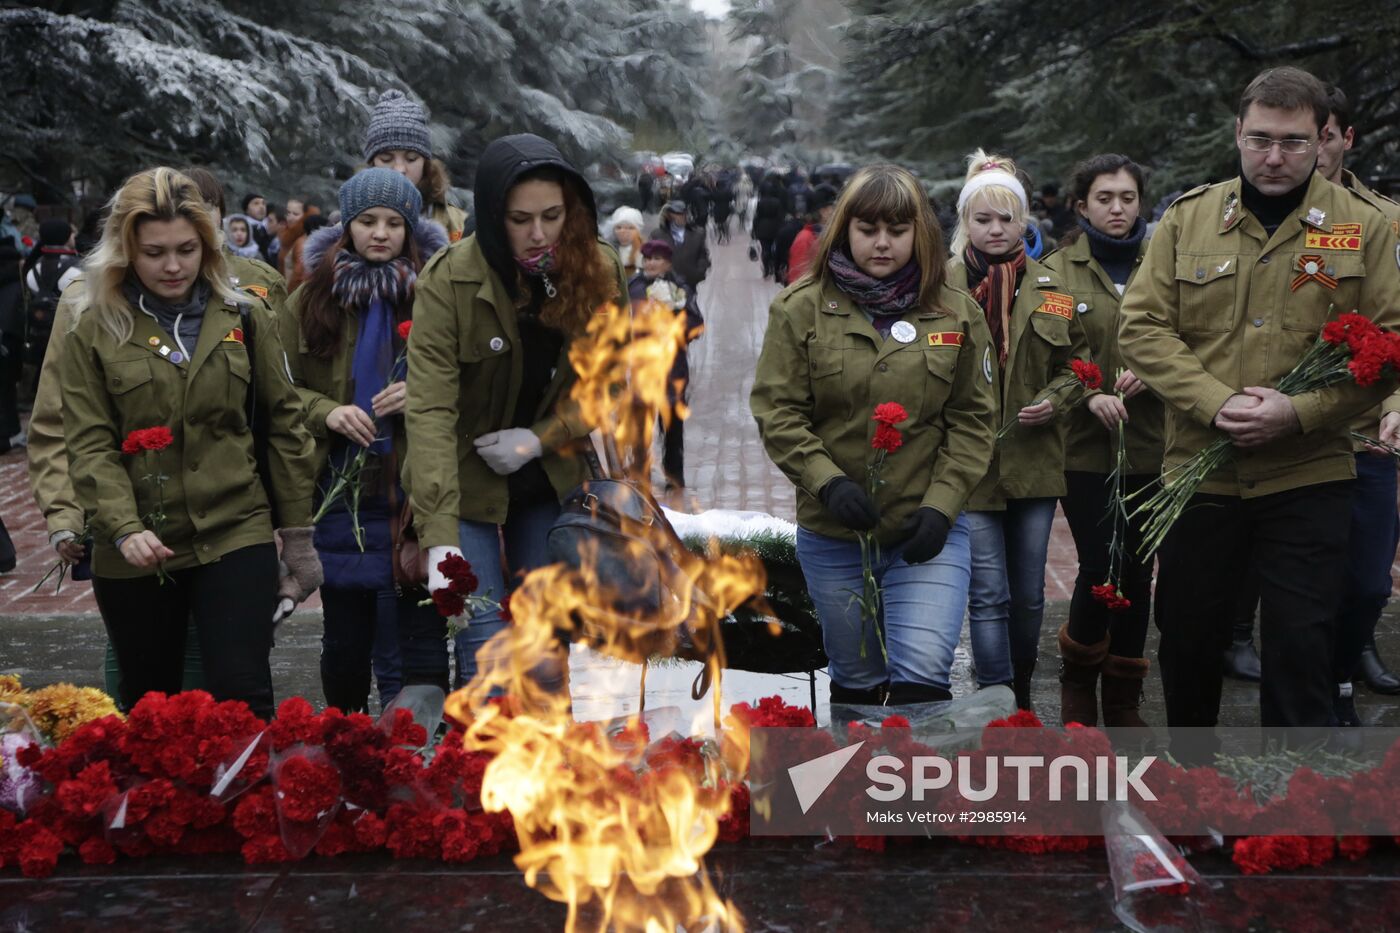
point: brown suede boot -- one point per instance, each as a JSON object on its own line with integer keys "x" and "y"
{"x": 1079, "y": 679}
{"x": 1122, "y": 691}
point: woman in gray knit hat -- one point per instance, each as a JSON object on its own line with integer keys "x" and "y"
{"x": 341, "y": 332}
{"x": 397, "y": 139}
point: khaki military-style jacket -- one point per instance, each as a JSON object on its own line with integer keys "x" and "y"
{"x": 452, "y": 218}
{"x": 1218, "y": 305}
{"x": 213, "y": 500}
{"x": 823, "y": 369}
{"x": 48, "y": 457}
{"x": 1369, "y": 422}
{"x": 464, "y": 378}
{"x": 1089, "y": 446}
{"x": 1045, "y": 337}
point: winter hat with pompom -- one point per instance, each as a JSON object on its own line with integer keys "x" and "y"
{"x": 397, "y": 123}
{"x": 380, "y": 187}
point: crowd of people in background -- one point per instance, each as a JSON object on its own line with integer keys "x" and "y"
{"x": 392, "y": 343}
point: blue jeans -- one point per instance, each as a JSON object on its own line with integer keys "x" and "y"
{"x": 921, "y": 616}
{"x": 524, "y": 534}
{"x": 1375, "y": 531}
{"x": 1007, "y": 602}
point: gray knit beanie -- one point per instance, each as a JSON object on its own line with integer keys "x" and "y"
{"x": 397, "y": 123}
{"x": 380, "y": 187}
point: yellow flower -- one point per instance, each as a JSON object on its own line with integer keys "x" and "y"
{"x": 10, "y": 688}
{"x": 60, "y": 709}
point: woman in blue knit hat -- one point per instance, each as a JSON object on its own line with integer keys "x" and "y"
{"x": 345, "y": 350}
{"x": 397, "y": 138}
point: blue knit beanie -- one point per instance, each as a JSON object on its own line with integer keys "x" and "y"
{"x": 380, "y": 187}
{"x": 397, "y": 123}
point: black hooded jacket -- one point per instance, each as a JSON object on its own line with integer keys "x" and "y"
{"x": 502, "y": 164}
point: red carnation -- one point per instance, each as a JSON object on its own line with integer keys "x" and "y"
{"x": 890, "y": 413}
{"x": 157, "y": 438}
{"x": 458, "y": 571}
{"x": 1352, "y": 329}
{"x": 449, "y": 604}
{"x": 1111, "y": 596}
{"x": 404, "y": 328}
{"x": 887, "y": 439}
{"x": 1087, "y": 373}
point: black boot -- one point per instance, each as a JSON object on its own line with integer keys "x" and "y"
{"x": 1241, "y": 660}
{"x": 1021, "y": 672}
{"x": 1378, "y": 677}
{"x": 872, "y": 696}
{"x": 902, "y": 693}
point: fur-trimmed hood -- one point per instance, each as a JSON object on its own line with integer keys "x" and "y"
{"x": 429, "y": 235}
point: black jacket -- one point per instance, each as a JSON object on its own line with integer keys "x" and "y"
{"x": 767, "y": 217}
{"x": 690, "y": 259}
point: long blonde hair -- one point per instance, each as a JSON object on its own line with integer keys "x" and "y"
{"x": 155, "y": 194}
{"x": 889, "y": 193}
{"x": 999, "y": 198}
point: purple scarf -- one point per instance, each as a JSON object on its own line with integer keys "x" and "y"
{"x": 887, "y": 297}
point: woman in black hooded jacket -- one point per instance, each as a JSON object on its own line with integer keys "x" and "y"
{"x": 493, "y": 433}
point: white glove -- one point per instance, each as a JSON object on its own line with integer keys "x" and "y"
{"x": 436, "y": 555}
{"x": 509, "y": 450}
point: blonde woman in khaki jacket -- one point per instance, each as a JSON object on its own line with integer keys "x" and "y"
{"x": 160, "y": 342}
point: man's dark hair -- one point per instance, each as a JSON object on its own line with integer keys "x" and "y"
{"x": 277, "y": 210}
{"x": 210, "y": 188}
{"x": 1339, "y": 107}
{"x": 1110, "y": 163}
{"x": 1287, "y": 88}
{"x": 249, "y": 198}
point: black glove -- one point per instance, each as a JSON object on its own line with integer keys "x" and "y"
{"x": 844, "y": 499}
{"x": 924, "y": 533}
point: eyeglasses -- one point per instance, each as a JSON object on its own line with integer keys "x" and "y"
{"x": 1292, "y": 146}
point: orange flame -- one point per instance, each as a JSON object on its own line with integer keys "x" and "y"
{"x": 622, "y": 845}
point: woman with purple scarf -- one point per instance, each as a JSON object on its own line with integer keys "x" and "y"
{"x": 874, "y": 321}
{"x": 346, "y": 356}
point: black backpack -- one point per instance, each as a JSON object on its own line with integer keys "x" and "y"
{"x": 615, "y": 533}
{"x": 43, "y": 305}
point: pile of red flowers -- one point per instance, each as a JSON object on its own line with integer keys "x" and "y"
{"x": 330, "y": 783}
{"x": 186, "y": 775}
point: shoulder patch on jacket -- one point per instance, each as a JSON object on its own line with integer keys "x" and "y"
{"x": 259, "y": 290}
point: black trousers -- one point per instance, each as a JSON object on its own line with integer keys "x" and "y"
{"x": 1296, "y": 541}
{"x": 348, "y": 641}
{"x": 673, "y": 451}
{"x": 1086, "y": 510}
{"x": 765, "y": 252}
{"x": 11, "y": 371}
{"x": 231, "y": 601}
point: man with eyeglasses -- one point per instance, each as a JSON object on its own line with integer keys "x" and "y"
{"x": 1235, "y": 286}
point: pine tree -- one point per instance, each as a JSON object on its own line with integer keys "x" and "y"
{"x": 276, "y": 96}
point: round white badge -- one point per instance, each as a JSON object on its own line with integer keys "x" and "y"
{"x": 987, "y": 364}
{"x": 903, "y": 331}
{"x": 497, "y": 344}
{"x": 1310, "y": 268}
